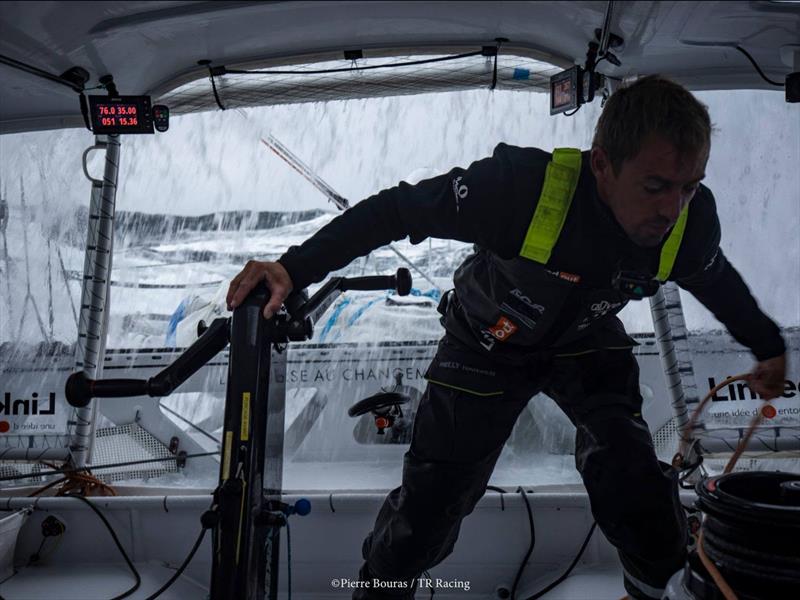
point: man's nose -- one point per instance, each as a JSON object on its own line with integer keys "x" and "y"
{"x": 671, "y": 206}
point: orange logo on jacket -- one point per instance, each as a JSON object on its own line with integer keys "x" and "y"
{"x": 503, "y": 329}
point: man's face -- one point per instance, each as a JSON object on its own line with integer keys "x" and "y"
{"x": 651, "y": 189}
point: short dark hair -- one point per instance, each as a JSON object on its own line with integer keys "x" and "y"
{"x": 653, "y": 104}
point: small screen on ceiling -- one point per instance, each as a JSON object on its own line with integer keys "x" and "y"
{"x": 121, "y": 114}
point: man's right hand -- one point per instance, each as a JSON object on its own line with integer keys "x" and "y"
{"x": 272, "y": 273}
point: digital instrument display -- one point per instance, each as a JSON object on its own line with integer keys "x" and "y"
{"x": 120, "y": 114}
{"x": 564, "y": 91}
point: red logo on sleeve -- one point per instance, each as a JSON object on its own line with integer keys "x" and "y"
{"x": 503, "y": 329}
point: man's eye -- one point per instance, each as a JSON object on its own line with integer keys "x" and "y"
{"x": 653, "y": 190}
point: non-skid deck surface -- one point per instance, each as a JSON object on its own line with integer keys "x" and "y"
{"x": 598, "y": 583}
{"x": 96, "y": 582}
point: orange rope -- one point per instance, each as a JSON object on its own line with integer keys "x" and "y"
{"x": 677, "y": 462}
{"x": 84, "y": 484}
{"x": 743, "y": 443}
{"x": 686, "y": 433}
{"x": 723, "y": 586}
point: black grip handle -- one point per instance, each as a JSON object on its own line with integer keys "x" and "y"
{"x": 403, "y": 282}
{"x": 80, "y": 389}
{"x": 400, "y": 282}
{"x": 371, "y": 282}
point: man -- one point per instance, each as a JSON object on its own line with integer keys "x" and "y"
{"x": 557, "y": 238}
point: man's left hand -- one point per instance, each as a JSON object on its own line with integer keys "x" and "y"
{"x": 768, "y": 377}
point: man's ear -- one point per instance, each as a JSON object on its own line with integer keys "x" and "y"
{"x": 601, "y": 166}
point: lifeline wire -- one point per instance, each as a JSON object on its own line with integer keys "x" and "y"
{"x": 121, "y": 464}
{"x": 225, "y": 71}
{"x": 188, "y": 422}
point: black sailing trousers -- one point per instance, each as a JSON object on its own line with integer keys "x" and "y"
{"x": 465, "y": 416}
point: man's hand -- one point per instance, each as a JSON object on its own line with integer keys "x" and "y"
{"x": 768, "y": 377}
{"x": 277, "y": 279}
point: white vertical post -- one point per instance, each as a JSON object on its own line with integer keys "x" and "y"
{"x": 93, "y": 318}
{"x": 676, "y": 357}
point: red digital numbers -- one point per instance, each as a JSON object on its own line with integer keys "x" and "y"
{"x": 121, "y": 115}
{"x": 129, "y": 110}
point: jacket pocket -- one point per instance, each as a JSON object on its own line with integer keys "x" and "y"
{"x": 459, "y": 368}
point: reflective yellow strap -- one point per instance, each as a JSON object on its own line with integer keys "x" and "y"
{"x": 560, "y": 181}
{"x": 670, "y": 248}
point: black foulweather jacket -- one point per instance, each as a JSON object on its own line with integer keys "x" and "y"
{"x": 512, "y": 306}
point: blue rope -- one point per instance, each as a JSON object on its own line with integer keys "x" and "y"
{"x": 332, "y": 319}
{"x": 174, "y": 319}
{"x": 434, "y": 294}
{"x": 363, "y": 309}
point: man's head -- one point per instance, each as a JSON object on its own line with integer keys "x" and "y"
{"x": 649, "y": 154}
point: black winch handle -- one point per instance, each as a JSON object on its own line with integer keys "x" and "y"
{"x": 400, "y": 282}
{"x": 300, "y": 307}
{"x": 80, "y": 389}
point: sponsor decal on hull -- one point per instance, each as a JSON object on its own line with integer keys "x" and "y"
{"x": 16, "y": 415}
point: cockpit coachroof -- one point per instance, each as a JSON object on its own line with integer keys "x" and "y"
{"x": 154, "y": 47}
